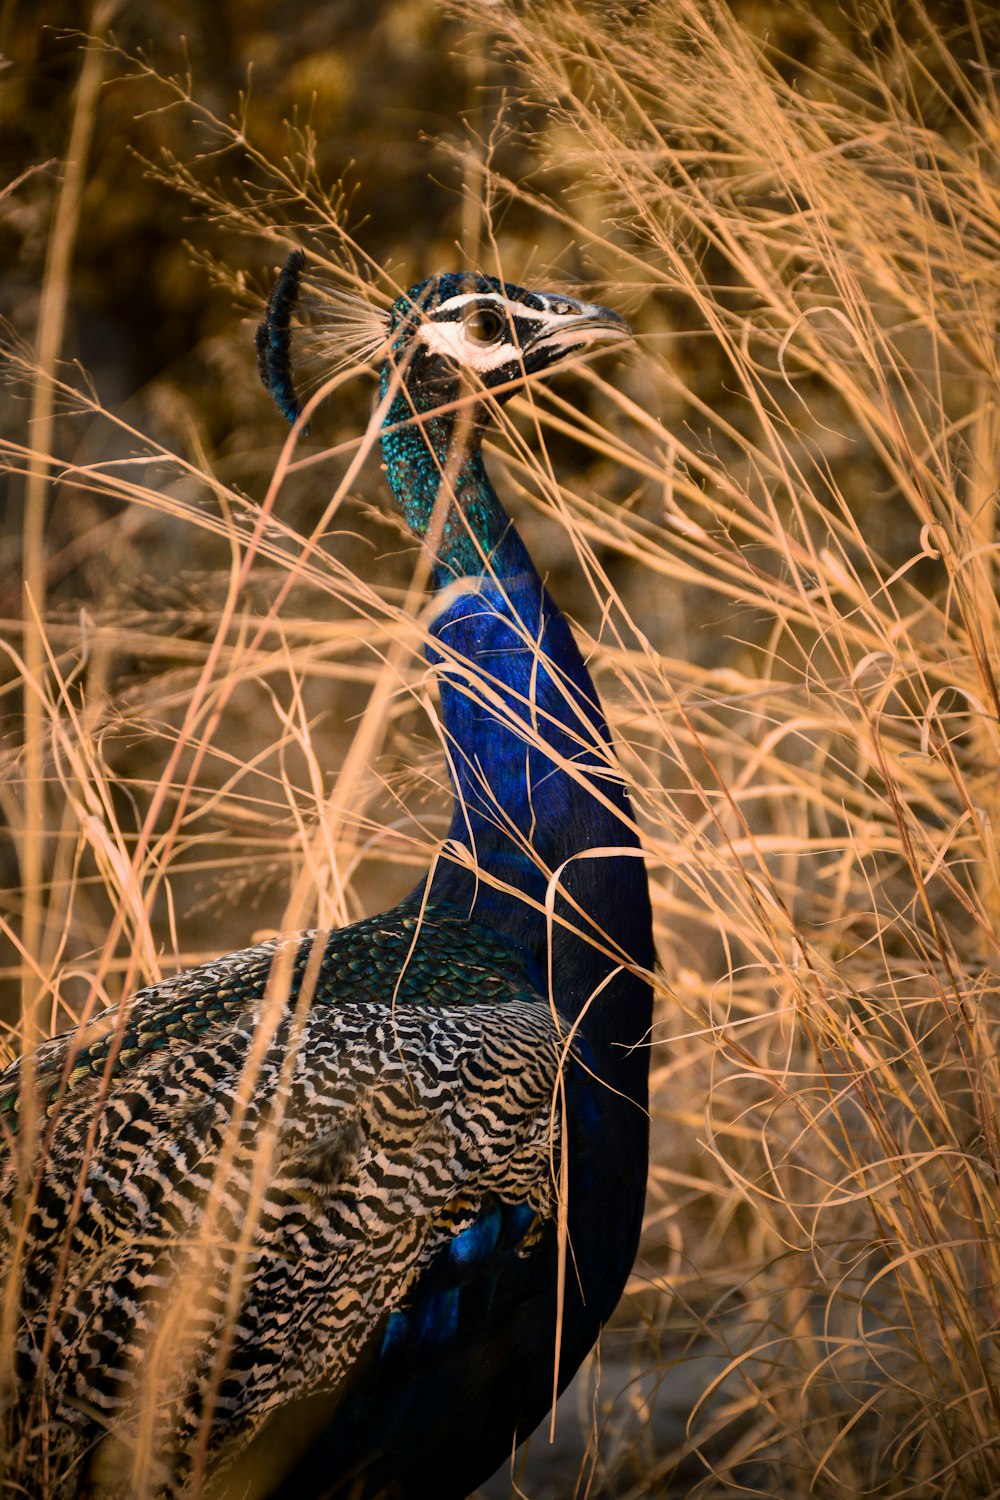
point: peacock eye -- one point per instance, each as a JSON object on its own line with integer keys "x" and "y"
{"x": 484, "y": 325}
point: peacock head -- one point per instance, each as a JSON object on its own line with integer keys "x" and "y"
{"x": 444, "y": 338}
{"x": 460, "y": 333}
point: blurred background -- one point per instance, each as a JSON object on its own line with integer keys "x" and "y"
{"x": 774, "y": 532}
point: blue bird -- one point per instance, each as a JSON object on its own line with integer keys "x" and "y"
{"x": 336, "y": 1215}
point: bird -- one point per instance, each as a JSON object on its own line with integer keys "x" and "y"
{"x": 339, "y": 1214}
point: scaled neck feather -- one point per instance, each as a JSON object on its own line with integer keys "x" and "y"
{"x": 440, "y": 459}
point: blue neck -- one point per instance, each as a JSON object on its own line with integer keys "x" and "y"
{"x": 442, "y": 456}
{"x": 518, "y": 708}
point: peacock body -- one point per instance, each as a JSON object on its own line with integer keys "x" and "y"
{"x": 318, "y": 1218}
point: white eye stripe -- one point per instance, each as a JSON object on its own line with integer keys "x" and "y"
{"x": 509, "y": 310}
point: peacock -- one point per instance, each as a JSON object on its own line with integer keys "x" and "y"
{"x": 340, "y": 1214}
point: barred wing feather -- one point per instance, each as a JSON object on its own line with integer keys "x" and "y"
{"x": 245, "y": 1217}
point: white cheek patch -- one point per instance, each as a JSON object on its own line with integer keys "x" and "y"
{"x": 452, "y": 341}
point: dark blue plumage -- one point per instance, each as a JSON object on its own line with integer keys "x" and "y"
{"x": 377, "y": 1315}
{"x": 536, "y": 789}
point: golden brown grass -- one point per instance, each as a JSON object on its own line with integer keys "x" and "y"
{"x": 783, "y": 507}
{"x": 819, "y": 792}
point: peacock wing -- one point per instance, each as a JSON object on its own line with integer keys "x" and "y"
{"x": 247, "y": 1211}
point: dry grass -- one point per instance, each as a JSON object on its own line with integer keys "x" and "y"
{"x": 784, "y": 510}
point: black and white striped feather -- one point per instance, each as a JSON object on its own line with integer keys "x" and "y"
{"x": 241, "y": 1226}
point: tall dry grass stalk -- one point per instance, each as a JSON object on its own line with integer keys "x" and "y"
{"x": 819, "y": 787}
{"x": 785, "y": 517}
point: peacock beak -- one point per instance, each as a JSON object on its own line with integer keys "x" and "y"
{"x": 588, "y": 323}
